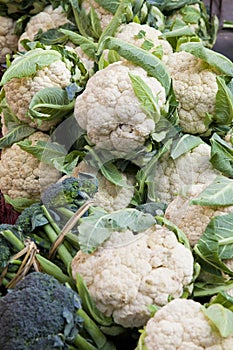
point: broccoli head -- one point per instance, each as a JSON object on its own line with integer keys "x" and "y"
{"x": 39, "y": 313}
{"x": 30, "y": 218}
{"x": 71, "y": 193}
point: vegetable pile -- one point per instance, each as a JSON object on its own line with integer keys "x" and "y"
{"x": 116, "y": 177}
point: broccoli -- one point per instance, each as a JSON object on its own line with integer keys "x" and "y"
{"x": 70, "y": 193}
{"x": 11, "y": 242}
{"x": 30, "y": 218}
{"x": 41, "y": 313}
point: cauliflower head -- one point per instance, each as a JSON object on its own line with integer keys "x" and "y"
{"x": 23, "y": 175}
{"x": 109, "y": 196}
{"x": 193, "y": 219}
{"x": 129, "y": 272}
{"x": 195, "y": 87}
{"x": 181, "y": 325}
{"x": 111, "y": 113}
{"x": 138, "y": 34}
{"x": 8, "y": 40}
{"x": 176, "y": 176}
{"x": 47, "y": 19}
{"x": 20, "y": 91}
{"x": 104, "y": 16}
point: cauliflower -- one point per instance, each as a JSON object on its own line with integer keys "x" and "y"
{"x": 20, "y": 91}
{"x": 23, "y": 175}
{"x": 192, "y": 219}
{"x": 129, "y": 272}
{"x": 176, "y": 176}
{"x": 111, "y": 113}
{"x": 109, "y": 196}
{"x": 8, "y": 40}
{"x": 47, "y": 19}
{"x": 105, "y": 16}
{"x": 138, "y": 34}
{"x": 195, "y": 87}
{"x": 181, "y": 325}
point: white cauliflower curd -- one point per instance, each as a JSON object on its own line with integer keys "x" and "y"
{"x": 129, "y": 272}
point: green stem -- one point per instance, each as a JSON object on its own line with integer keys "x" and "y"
{"x": 66, "y": 212}
{"x": 53, "y": 270}
{"x": 51, "y": 221}
{"x": 82, "y": 344}
{"x": 63, "y": 253}
{"x": 12, "y": 239}
{"x": 92, "y": 329}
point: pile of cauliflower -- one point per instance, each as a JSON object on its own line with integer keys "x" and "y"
{"x": 134, "y": 94}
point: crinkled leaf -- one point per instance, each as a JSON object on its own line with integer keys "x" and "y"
{"x": 224, "y": 103}
{"x": 87, "y": 44}
{"x": 18, "y": 133}
{"x": 115, "y": 22}
{"x": 213, "y": 58}
{"x": 66, "y": 164}
{"x": 146, "y": 97}
{"x": 50, "y": 103}
{"x": 95, "y": 23}
{"x": 168, "y": 5}
{"x": 216, "y": 244}
{"x": 112, "y": 174}
{"x": 221, "y": 317}
{"x": 29, "y": 63}
{"x": 109, "y": 5}
{"x": 184, "y": 145}
{"x": 42, "y": 150}
{"x": 221, "y": 155}
{"x": 98, "y": 226}
{"x": 19, "y": 204}
{"x": 218, "y": 193}
{"x": 142, "y": 58}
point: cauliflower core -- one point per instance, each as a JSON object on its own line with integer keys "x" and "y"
{"x": 129, "y": 272}
{"x": 111, "y": 113}
{"x": 193, "y": 219}
{"x": 23, "y": 175}
{"x": 195, "y": 87}
{"x": 8, "y": 40}
{"x": 176, "y": 176}
{"x": 181, "y": 325}
{"x": 20, "y": 91}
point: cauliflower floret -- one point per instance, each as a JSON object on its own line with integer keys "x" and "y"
{"x": 20, "y": 91}
{"x": 47, "y": 19}
{"x": 109, "y": 196}
{"x": 179, "y": 175}
{"x": 195, "y": 87}
{"x": 193, "y": 219}
{"x": 181, "y": 325}
{"x": 8, "y": 40}
{"x": 111, "y": 113}
{"x": 129, "y": 272}
{"x": 105, "y": 16}
{"x": 22, "y": 175}
{"x": 131, "y": 34}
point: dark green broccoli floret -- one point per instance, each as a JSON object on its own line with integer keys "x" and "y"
{"x": 40, "y": 310}
{"x": 30, "y": 218}
{"x": 70, "y": 193}
{"x": 41, "y": 313}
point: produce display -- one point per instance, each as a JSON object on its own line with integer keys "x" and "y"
{"x": 116, "y": 177}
